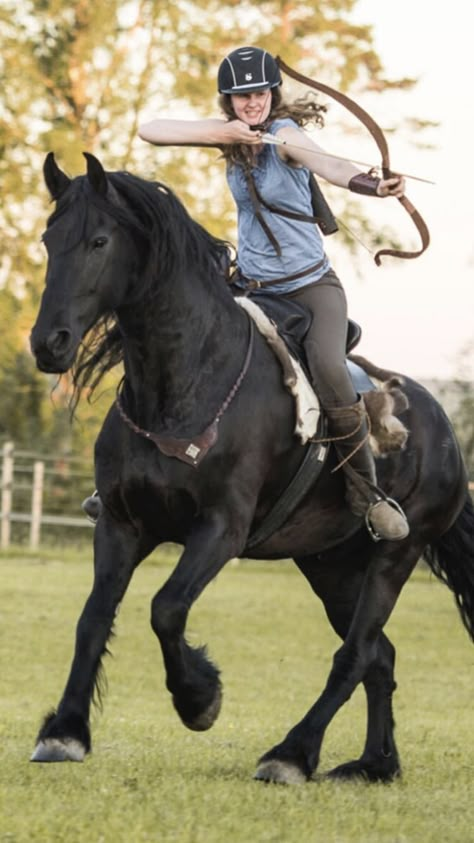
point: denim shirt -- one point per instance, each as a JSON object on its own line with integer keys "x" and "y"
{"x": 301, "y": 243}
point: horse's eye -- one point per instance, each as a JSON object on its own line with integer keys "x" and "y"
{"x": 99, "y": 242}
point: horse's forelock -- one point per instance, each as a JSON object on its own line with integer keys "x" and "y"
{"x": 69, "y": 216}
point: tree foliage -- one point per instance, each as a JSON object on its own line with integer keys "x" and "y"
{"x": 79, "y": 76}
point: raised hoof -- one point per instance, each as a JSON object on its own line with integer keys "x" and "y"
{"x": 53, "y": 749}
{"x": 279, "y": 772}
{"x": 365, "y": 771}
{"x": 207, "y": 718}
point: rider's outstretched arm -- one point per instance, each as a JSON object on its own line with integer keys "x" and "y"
{"x": 213, "y": 132}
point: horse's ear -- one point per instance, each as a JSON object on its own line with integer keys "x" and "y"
{"x": 56, "y": 181}
{"x": 96, "y": 174}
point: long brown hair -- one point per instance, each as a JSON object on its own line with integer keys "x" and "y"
{"x": 303, "y": 111}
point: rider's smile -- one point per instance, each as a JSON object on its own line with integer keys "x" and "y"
{"x": 252, "y": 108}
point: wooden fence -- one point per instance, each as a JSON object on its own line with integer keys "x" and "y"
{"x": 41, "y": 493}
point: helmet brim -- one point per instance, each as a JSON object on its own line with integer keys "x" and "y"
{"x": 248, "y": 89}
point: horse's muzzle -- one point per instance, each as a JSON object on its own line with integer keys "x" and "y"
{"x": 54, "y": 353}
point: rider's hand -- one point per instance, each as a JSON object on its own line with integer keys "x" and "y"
{"x": 236, "y": 131}
{"x": 394, "y": 186}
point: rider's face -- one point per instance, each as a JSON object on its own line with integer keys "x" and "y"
{"x": 253, "y": 108}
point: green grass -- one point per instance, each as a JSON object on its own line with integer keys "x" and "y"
{"x": 149, "y": 779}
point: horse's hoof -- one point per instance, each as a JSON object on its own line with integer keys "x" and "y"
{"x": 53, "y": 749}
{"x": 208, "y": 717}
{"x": 366, "y": 771}
{"x": 279, "y": 772}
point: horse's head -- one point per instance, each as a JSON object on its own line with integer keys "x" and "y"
{"x": 90, "y": 262}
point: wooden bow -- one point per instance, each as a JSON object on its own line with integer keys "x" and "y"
{"x": 382, "y": 144}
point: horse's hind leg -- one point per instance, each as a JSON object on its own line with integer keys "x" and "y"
{"x": 379, "y": 760}
{"x": 339, "y": 592}
{"x": 65, "y": 734}
{"x": 360, "y": 658}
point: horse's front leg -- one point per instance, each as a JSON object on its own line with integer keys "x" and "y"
{"x": 296, "y": 758}
{"x": 65, "y": 734}
{"x": 191, "y": 677}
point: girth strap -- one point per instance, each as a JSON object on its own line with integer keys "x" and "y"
{"x": 305, "y": 479}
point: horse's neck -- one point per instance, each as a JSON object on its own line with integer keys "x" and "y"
{"x": 183, "y": 351}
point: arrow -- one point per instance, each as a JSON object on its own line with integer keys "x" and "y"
{"x": 272, "y": 139}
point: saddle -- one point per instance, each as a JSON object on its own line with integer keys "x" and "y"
{"x": 293, "y": 321}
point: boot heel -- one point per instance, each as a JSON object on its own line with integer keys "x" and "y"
{"x": 385, "y": 519}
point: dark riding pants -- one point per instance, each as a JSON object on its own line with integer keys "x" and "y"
{"x": 325, "y": 342}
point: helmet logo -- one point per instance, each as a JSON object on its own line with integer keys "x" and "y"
{"x": 248, "y": 77}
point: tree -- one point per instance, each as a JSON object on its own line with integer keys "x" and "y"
{"x": 79, "y": 76}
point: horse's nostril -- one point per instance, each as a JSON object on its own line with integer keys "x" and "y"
{"x": 58, "y": 341}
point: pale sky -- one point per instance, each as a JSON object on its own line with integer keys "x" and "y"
{"x": 417, "y": 316}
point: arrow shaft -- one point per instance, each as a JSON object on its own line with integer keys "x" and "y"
{"x": 272, "y": 139}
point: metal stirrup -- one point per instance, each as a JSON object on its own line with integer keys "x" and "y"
{"x": 373, "y": 533}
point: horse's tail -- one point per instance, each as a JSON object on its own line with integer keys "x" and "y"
{"x": 451, "y": 558}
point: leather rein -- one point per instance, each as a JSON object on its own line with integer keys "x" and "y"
{"x": 190, "y": 451}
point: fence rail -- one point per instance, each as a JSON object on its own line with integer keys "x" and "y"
{"x": 32, "y": 489}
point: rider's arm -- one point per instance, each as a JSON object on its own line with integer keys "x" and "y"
{"x": 333, "y": 170}
{"x": 212, "y": 132}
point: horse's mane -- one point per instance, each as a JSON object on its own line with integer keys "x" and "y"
{"x": 172, "y": 239}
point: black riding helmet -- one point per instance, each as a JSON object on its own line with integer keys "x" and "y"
{"x": 248, "y": 69}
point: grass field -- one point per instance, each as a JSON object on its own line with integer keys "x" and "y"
{"x": 149, "y": 779}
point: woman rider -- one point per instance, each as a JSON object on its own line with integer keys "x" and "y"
{"x": 285, "y": 255}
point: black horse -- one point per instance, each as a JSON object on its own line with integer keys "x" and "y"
{"x": 125, "y": 256}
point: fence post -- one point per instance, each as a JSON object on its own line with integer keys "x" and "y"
{"x": 7, "y": 482}
{"x": 36, "y": 504}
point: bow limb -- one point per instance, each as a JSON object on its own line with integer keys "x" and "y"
{"x": 421, "y": 226}
{"x": 382, "y": 145}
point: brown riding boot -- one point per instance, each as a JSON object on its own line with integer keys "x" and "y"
{"x": 348, "y": 430}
